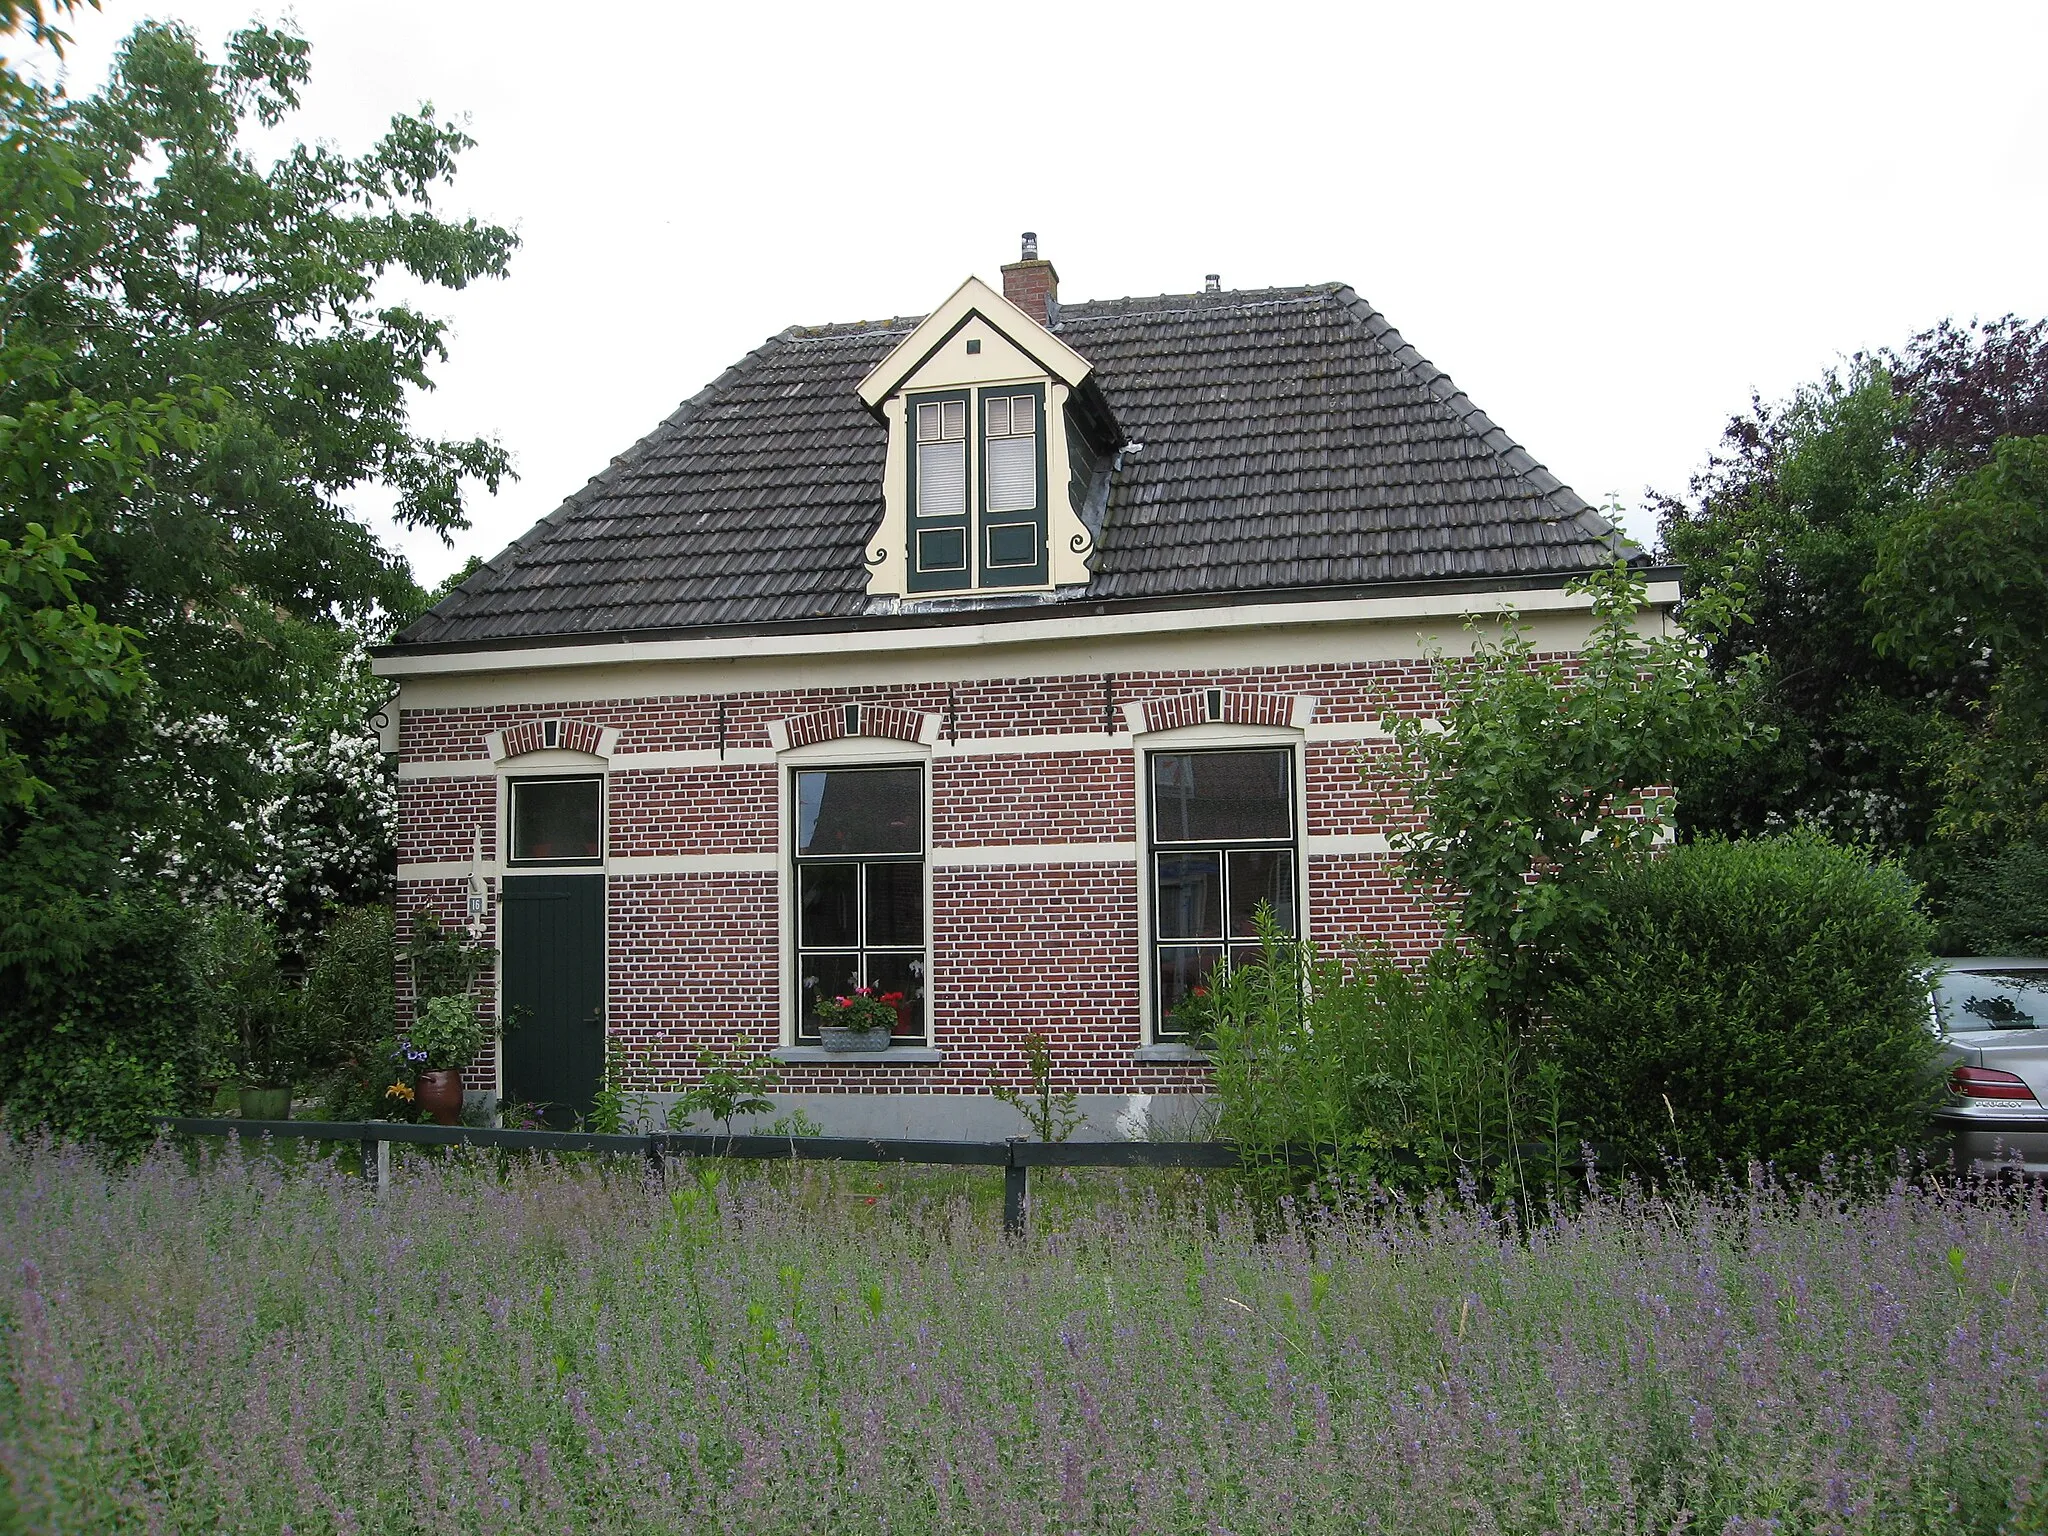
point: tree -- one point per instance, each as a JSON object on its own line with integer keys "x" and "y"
{"x": 237, "y": 310}
{"x": 1541, "y": 778}
{"x": 1887, "y": 487}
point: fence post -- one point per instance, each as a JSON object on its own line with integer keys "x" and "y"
{"x": 370, "y": 1145}
{"x": 1016, "y": 1193}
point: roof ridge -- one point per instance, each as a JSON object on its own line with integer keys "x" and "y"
{"x": 451, "y": 605}
{"x": 1571, "y": 506}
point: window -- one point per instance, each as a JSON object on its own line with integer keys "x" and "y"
{"x": 557, "y": 821}
{"x": 1012, "y": 452}
{"x": 860, "y": 893}
{"x": 1222, "y": 843}
{"x": 940, "y": 531}
{"x": 1013, "y": 487}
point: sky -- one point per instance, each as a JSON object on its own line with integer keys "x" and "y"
{"x": 1609, "y": 224}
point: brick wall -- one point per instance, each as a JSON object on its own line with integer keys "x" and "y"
{"x": 693, "y": 953}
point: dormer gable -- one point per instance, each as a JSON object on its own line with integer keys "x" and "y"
{"x": 998, "y": 444}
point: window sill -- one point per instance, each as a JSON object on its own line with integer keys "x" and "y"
{"x": 1172, "y": 1050}
{"x": 817, "y": 1055}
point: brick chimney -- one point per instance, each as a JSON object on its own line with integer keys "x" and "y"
{"x": 1033, "y": 285}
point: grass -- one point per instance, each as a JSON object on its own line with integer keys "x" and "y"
{"x": 233, "y": 1344}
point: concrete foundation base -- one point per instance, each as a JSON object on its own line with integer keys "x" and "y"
{"x": 956, "y": 1117}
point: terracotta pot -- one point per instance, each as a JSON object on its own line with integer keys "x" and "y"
{"x": 440, "y": 1095}
{"x": 266, "y": 1103}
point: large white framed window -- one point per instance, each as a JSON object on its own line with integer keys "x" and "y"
{"x": 1223, "y": 838}
{"x": 860, "y": 908}
{"x": 942, "y": 458}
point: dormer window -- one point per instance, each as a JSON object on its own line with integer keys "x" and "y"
{"x": 998, "y": 444}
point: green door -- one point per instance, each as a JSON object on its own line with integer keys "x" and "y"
{"x": 552, "y": 944}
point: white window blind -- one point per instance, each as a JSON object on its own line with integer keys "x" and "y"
{"x": 1010, "y": 424}
{"x": 942, "y": 458}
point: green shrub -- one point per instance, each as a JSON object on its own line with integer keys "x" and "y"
{"x": 97, "y": 1049}
{"x": 1999, "y": 905}
{"x": 1763, "y": 999}
{"x": 1364, "y": 1071}
{"x": 350, "y": 1013}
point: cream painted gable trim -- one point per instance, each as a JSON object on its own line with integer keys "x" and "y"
{"x": 972, "y": 297}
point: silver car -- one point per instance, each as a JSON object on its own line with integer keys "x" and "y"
{"x": 1993, "y": 1019}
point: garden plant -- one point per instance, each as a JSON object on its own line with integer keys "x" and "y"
{"x": 764, "y": 1354}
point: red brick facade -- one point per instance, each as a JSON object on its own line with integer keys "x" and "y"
{"x": 1050, "y": 941}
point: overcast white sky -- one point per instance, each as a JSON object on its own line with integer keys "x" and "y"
{"x": 1608, "y": 223}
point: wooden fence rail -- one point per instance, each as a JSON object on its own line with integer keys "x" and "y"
{"x": 1016, "y": 1157}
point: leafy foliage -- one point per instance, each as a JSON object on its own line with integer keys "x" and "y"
{"x": 98, "y": 1053}
{"x": 1355, "y": 1070}
{"x": 249, "y": 1003}
{"x": 731, "y": 1085}
{"x": 1884, "y": 527}
{"x": 1540, "y": 778}
{"x": 449, "y": 1031}
{"x": 206, "y": 362}
{"x": 1053, "y": 1115}
{"x": 1760, "y": 1000}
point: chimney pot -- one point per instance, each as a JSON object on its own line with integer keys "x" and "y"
{"x": 1212, "y": 283}
{"x": 1032, "y": 284}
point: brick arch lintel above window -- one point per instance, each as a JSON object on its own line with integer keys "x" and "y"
{"x": 553, "y": 733}
{"x": 1220, "y": 706}
{"x": 844, "y": 720}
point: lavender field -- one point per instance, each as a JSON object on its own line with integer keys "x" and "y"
{"x": 567, "y": 1349}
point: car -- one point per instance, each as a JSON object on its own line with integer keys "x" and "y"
{"x": 1992, "y": 1016}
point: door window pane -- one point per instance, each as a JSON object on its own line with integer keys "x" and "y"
{"x": 859, "y": 810}
{"x": 895, "y": 904}
{"x": 1260, "y": 875}
{"x": 905, "y": 974}
{"x": 828, "y": 905}
{"x": 1183, "y": 967}
{"x": 1188, "y": 895}
{"x": 557, "y": 819}
{"x": 1221, "y": 796}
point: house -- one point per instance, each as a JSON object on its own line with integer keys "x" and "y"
{"x": 1006, "y": 659}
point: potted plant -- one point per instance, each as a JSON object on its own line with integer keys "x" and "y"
{"x": 443, "y": 1040}
{"x": 446, "y": 1032}
{"x": 859, "y": 1020}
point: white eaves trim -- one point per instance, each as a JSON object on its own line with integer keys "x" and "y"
{"x": 1055, "y": 627}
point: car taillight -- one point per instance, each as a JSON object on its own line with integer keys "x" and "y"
{"x": 1984, "y": 1083}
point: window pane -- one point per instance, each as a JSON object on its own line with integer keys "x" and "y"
{"x": 1013, "y": 544}
{"x": 1022, "y": 408}
{"x": 556, "y": 819}
{"x": 828, "y": 905}
{"x": 956, "y": 419}
{"x": 823, "y": 976}
{"x": 1993, "y": 1000}
{"x": 941, "y": 479}
{"x": 1012, "y": 474}
{"x": 859, "y": 810}
{"x": 1261, "y": 875}
{"x": 1183, "y": 967}
{"x": 999, "y": 416}
{"x": 905, "y": 974}
{"x": 1187, "y": 900}
{"x": 942, "y": 549}
{"x": 1197, "y": 796}
{"x": 895, "y": 903}
{"x": 930, "y": 423}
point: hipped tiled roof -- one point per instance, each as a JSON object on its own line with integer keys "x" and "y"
{"x": 1282, "y": 440}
